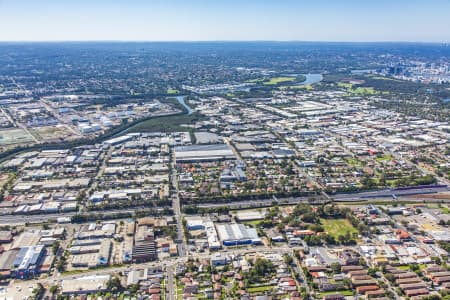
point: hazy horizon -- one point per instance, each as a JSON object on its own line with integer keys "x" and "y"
{"x": 225, "y": 21}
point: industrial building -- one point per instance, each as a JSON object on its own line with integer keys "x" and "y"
{"x": 211, "y": 234}
{"x": 85, "y": 285}
{"x": 197, "y": 153}
{"x": 27, "y": 261}
{"x": 91, "y": 255}
{"x": 194, "y": 224}
{"x": 237, "y": 234}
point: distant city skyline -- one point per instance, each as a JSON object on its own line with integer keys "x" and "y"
{"x": 232, "y": 20}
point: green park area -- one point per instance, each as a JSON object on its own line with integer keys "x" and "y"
{"x": 357, "y": 91}
{"x": 278, "y": 80}
{"x": 337, "y": 227}
{"x": 172, "y": 91}
{"x": 385, "y": 157}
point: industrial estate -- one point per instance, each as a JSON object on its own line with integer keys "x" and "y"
{"x": 312, "y": 172}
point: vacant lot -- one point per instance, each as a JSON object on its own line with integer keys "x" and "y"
{"x": 52, "y": 133}
{"x": 14, "y": 136}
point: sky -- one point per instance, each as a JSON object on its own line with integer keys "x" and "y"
{"x": 222, "y": 20}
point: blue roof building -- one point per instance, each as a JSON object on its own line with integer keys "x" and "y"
{"x": 27, "y": 261}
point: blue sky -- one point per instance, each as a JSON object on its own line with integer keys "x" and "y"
{"x": 200, "y": 20}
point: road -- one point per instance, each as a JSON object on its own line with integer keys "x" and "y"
{"x": 385, "y": 193}
{"x": 170, "y": 283}
{"x": 182, "y": 247}
{"x": 381, "y": 195}
{"x": 169, "y": 265}
{"x": 11, "y": 219}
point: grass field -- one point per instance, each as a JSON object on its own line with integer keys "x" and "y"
{"x": 337, "y": 227}
{"x": 260, "y": 289}
{"x": 364, "y": 91}
{"x": 407, "y": 268}
{"x": 254, "y": 223}
{"x": 445, "y": 210}
{"x": 172, "y": 91}
{"x": 345, "y": 293}
{"x": 353, "y": 162}
{"x": 358, "y": 90}
{"x": 385, "y": 157}
{"x": 278, "y": 80}
{"x": 345, "y": 85}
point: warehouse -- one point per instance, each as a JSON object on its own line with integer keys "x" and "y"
{"x": 194, "y": 224}
{"x": 27, "y": 261}
{"x": 85, "y": 285}
{"x": 91, "y": 256}
{"x": 6, "y": 262}
{"x": 197, "y": 153}
{"x": 237, "y": 234}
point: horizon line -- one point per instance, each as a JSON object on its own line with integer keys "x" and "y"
{"x": 224, "y": 41}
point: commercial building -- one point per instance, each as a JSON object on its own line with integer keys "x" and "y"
{"x": 237, "y": 234}
{"x": 27, "y": 261}
{"x": 144, "y": 248}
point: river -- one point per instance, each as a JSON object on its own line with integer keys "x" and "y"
{"x": 312, "y": 78}
{"x": 180, "y": 100}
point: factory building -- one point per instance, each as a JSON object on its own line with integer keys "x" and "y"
{"x": 237, "y": 234}
{"x": 198, "y": 153}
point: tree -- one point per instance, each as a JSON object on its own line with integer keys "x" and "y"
{"x": 114, "y": 284}
{"x": 288, "y": 259}
{"x": 329, "y": 239}
{"x": 336, "y": 267}
{"x": 55, "y": 247}
{"x": 53, "y": 289}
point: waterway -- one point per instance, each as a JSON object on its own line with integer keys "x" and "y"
{"x": 180, "y": 100}
{"x": 312, "y": 78}
{"x": 309, "y": 78}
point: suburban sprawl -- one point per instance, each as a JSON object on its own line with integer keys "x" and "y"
{"x": 224, "y": 171}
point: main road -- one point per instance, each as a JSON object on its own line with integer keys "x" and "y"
{"x": 13, "y": 219}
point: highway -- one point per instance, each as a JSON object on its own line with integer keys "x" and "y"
{"x": 364, "y": 196}
{"x": 11, "y": 219}
{"x": 348, "y": 197}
